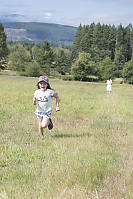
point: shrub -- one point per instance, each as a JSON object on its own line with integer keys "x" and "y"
{"x": 67, "y": 77}
{"x": 33, "y": 69}
{"x": 21, "y": 73}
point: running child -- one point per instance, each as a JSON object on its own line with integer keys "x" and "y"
{"x": 42, "y": 97}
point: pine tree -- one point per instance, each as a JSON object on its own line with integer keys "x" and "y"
{"x": 3, "y": 48}
{"x": 131, "y": 42}
{"x": 45, "y": 57}
{"x": 119, "y": 49}
{"x": 112, "y": 41}
{"x": 77, "y": 41}
{"x": 127, "y": 51}
{"x": 63, "y": 63}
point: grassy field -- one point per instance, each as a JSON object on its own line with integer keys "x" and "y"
{"x": 87, "y": 155}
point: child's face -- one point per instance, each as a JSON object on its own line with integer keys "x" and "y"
{"x": 43, "y": 85}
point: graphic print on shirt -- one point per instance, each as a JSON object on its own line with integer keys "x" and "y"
{"x": 43, "y": 99}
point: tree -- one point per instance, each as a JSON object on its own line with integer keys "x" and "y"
{"x": 83, "y": 67}
{"x": 33, "y": 69}
{"x": 119, "y": 58}
{"x": 3, "y": 48}
{"x": 76, "y": 43}
{"x": 112, "y": 41}
{"x": 131, "y": 39}
{"x": 127, "y": 72}
{"x": 63, "y": 63}
{"x": 45, "y": 57}
{"x": 103, "y": 41}
{"x": 19, "y": 59}
{"x": 106, "y": 68}
{"x": 87, "y": 39}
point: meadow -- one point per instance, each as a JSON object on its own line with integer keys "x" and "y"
{"x": 87, "y": 155}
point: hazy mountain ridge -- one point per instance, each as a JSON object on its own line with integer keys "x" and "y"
{"x": 38, "y": 32}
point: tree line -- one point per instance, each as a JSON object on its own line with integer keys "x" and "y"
{"x": 98, "y": 51}
{"x": 33, "y": 60}
{"x": 109, "y": 50}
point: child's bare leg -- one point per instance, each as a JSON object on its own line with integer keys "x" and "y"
{"x": 45, "y": 122}
{"x": 40, "y": 126}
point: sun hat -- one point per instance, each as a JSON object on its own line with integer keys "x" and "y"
{"x": 43, "y": 78}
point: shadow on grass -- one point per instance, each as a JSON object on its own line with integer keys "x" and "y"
{"x": 71, "y": 135}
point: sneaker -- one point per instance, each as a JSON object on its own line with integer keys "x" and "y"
{"x": 50, "y": 126}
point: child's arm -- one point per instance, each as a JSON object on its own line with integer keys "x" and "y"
{"x": 57, "y": 101}
{"x": 34, "y": 100}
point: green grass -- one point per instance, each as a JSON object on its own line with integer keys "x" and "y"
{"x": 88, "y": 154}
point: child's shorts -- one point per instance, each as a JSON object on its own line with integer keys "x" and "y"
{"x": 43, "y": 114}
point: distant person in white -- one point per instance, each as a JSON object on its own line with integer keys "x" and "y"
{"x": 109, "y": 85}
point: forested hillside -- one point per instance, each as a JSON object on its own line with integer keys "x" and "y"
{"x": 38, "y": 32}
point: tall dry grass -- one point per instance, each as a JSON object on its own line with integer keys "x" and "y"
{"x": 87, "y": 155}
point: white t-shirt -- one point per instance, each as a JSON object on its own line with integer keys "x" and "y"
{"x": 109, "y": 82}
{"x": 109, "y": 85}
{"x": 44, "y": 100}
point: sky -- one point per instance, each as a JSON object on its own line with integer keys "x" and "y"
{"x": 68, "y": 12}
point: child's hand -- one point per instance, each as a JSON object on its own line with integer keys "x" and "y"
{"x": 57, "y": 108}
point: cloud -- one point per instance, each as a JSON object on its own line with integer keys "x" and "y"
{"x": 116, "y": 1}
{"x": 112, "y": 19}
{"x": 109, "y": 19}
{"x": 12, "y": 18}
{"x": 48, "y": 15}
